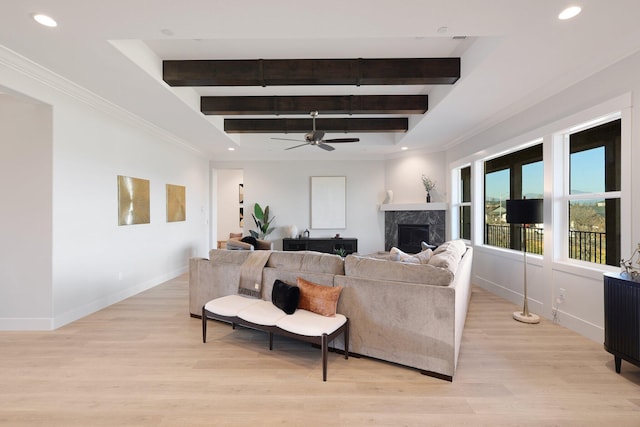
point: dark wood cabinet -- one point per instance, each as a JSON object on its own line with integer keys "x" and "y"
{"x": 327, "y": 245}
{"x": 622, "y": 318}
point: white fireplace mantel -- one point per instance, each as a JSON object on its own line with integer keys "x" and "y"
{"x": 414, "y": 207}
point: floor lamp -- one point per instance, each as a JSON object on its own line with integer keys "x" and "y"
{"x": 525, "y": 211}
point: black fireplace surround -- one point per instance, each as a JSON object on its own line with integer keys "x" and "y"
{"x": 417, "y": 226}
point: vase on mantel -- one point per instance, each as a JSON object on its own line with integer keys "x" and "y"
{"x": 428, "y": 197}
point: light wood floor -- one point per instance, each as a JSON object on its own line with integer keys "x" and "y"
{"x": 141, "y": 362}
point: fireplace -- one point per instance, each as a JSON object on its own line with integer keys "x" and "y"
{"x": 433, "y": 219}
{"x": 410, "y": 237}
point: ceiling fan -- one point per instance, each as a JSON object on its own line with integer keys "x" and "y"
{"x": 315, "y": 138}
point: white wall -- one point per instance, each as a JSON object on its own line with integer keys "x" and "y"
{"x": 93, "y": 261}
{"x": 285, "y": 188}
{"x": 25, "y": 217}
{"x": 583, "y": 309}
{"x": 403, "y": 176}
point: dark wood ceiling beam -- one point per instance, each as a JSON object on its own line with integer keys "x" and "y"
{"x": 292, "y": 72}
{"x": 348, "y": 104}
{"x": 306, "y": 125}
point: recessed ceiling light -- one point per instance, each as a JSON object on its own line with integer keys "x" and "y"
{"x": 443, "y": 30}
{"x": 404, "y": 148}
{"x": 569, "y": 12}
{"x": 45, "y": 20}
{"x": 231, "y": 149}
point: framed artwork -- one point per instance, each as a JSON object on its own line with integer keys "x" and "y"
{"x": 241, "y": 193}
{"x": 328, "y": 202}
{"x": 133, "y": 201}
{"x": 241, "y": 217}
{"x": 176, "y": 203}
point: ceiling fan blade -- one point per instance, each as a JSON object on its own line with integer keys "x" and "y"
{"x": 338, "y": 140}
{"x": 296, "y": 146}
{"x": 325, "y": 146}
{"x": 288, "y": 139}
{"x": 316, "y": 135}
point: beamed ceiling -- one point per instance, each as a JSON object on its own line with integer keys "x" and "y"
{"x": 425, "y": 75}
{"x": 313, "y": 72}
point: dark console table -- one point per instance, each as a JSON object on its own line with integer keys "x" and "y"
{"x": 621, "y": 313}
{"x": 327, "y": 245}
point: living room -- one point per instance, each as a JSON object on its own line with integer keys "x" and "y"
{"x": 85, "y": 262}
{"x": 65, "y": 140}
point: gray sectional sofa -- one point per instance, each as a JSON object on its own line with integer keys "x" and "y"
{"x": 409, "y": 314}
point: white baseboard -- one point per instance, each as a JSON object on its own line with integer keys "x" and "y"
{"x": 47, "y": 324}
{"x": 569, "y": 321}
{"x": 26, "y": 324}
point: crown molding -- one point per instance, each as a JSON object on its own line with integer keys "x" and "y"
{"x": 34, "y": 71}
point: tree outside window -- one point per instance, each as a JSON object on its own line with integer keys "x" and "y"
{"x": 515, "y": 175}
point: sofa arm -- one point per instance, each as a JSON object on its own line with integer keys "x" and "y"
{"x": 208, "y": 280}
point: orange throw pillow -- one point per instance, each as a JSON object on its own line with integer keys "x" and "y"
{"x": 318, "y": 298}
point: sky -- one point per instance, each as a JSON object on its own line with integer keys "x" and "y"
{"x": 587, "y": 176}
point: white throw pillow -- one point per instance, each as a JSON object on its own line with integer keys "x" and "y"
{"x": 419, "y": 258}
{"x": 424, "y": 256}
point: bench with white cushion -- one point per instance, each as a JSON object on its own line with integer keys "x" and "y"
{"x": 265, "y": 316}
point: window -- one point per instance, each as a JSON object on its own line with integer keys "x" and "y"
{"x": 594, "y": 193}
{"x": 465, "y": 203}
{"x": 461, "y": 203}
{"x": 516, "y": 175}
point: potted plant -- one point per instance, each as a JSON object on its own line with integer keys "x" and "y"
{"x": 340, "y": 251}
{"x": 429, "y": 185}
{"x": 262, "y": 221}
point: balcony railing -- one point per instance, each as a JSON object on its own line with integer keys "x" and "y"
{"x": 500, "y": 235}
{"x": 583, "y": 245}
{"x": 588, "y": 246}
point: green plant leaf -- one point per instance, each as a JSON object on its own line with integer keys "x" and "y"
{"x": 257, "y": 211}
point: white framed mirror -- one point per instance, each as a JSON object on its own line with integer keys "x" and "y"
{"x": 328, "y": 202}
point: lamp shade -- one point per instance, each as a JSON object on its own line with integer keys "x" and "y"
{"x": 525, "y": 211}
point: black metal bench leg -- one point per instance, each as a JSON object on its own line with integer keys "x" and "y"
{"x": 346, "y": 340}
{"x": 270, "y": 340}
{"x": 325, "y": 346}
{"x": 204, "y": 326}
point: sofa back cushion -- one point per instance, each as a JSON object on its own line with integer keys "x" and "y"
{"x": 378, "y": 269}
{"x": 309, "y": 261}
{"x": 223, "y": 256}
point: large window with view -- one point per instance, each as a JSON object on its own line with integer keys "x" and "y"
{"x": 594, "y": 193}
{"x": 516, "y": 175}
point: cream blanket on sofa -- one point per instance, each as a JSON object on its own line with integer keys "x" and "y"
{"x": 251, "y": 274}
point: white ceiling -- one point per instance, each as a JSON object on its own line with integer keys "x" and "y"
{"x": 516, "y": 53}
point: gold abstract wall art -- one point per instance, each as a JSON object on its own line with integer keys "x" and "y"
{"x": 176, "y": 206}
{"x": 133, "y": 201}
